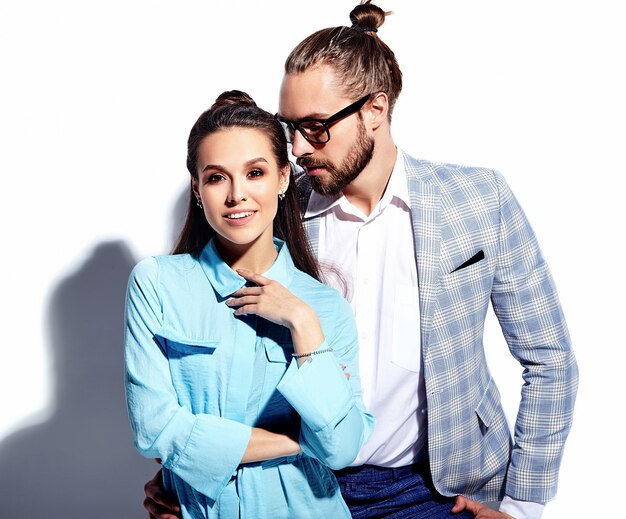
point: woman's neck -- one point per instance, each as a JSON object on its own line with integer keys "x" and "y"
{"x": 257, "y": 256}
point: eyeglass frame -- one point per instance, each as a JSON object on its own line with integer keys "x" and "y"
{"x": 326, "y": 123}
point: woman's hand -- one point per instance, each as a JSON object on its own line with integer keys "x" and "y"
{"x": 272, "y": 301}
{"x": 269, "y": 299}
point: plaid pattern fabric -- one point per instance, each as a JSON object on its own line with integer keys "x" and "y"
{"x": 460, "y": 213}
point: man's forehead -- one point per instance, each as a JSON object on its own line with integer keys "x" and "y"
{"x": 308, "y": 94}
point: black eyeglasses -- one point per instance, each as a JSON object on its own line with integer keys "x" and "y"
{"x": 316, "y": 130}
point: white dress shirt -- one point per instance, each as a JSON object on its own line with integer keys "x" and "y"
{"x": 382, "y": 289}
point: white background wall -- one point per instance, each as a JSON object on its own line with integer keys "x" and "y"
{"x": 96, "y": 101}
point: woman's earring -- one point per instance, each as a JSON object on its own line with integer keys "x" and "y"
{"x": 281, "y": 196}
{"x": 199, "y": 202}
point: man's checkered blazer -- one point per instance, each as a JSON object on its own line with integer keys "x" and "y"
{"x": 473, "y": 245}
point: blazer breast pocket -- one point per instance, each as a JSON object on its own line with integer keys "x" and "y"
{"x": 465, "y": 290}
{"x": 479, "y": 256}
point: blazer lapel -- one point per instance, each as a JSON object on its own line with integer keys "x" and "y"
{"x": 312, "y": 228}
{"x": 311, "y": 225}
{"x": 426, "y": 217}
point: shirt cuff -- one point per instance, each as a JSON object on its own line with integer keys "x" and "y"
{"x": 317, "y": 390}
{"x": 522, "y": 509}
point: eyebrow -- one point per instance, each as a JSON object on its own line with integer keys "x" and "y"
{"x": 248, "y": 163}
{"x": 315, "y": 116}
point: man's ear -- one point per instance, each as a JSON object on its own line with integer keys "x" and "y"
{"x": 378, "y": 110}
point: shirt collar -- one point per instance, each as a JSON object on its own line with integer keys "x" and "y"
{"x": 397, "y": 186}
{"x": 225, "y": 280}
{"x": 320, "y": 203}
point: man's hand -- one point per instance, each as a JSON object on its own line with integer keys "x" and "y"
{"x": 158, "y": 503}
{"x": 479, "y": 510}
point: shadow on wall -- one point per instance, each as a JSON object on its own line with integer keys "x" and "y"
{"x": 179, "y": 212}
{"x": 81, "y": 463}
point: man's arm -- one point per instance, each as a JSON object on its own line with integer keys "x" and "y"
{"x": 525, "y": 300}
{"x": 159, "y": 503}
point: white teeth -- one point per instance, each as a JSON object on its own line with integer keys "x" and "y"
{"x": 235, "y": 216}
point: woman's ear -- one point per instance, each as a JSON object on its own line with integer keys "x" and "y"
{"x": 283, "y": 183}
{"x": 194, "y": 188}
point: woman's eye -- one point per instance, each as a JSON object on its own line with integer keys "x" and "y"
{"x": 215, "y": 177}
{"x": 256, "y": 173}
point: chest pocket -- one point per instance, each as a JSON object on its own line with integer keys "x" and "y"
{"x": 188, "y": 348}
{"x": 194, "y": 368}
{"x": 178, "y": 346}
{"x": 276, "y": 341}
{"x": 277, "y": 344}
{"x": 406, "y": 328}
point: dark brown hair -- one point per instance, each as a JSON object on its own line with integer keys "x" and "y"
{"x": 236, "y": 109}
{"x": 363, "y": 62}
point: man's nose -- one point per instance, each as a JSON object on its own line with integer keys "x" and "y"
{"x": 301, "y": 146}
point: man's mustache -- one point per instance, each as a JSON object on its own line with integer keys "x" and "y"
{"x": 310, "y": 163}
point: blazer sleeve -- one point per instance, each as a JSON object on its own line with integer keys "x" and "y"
{"x": 526, "y": 304}
{"x": 203, "y": 450}
{"x": 335, "y": 423}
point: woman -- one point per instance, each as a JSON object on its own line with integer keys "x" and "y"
{"x": 234, "y": 379}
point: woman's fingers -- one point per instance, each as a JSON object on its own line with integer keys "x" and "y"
{"x": 252, "y": 276}
{"x": 270, "y": 300}
{"x": 248, "y": 291}
{"x": 244, "y": 308}
{"x": 244, "y": 300}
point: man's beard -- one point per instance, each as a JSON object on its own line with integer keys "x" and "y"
{"x": 336, "y": 178}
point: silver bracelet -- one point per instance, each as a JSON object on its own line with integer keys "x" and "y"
{"x": 302, "y": 355}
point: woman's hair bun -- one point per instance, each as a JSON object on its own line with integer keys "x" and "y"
{"x": 234, "y": 97}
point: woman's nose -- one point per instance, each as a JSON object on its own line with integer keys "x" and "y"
{"x": 237, "y": 193}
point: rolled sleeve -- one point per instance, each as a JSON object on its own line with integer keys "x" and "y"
{"x": 213, "y": 451}
{"x": 318, "y": 390}
{"x": 335, "y": 423}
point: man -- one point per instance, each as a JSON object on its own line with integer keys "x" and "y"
{"x": 420, "y": 250}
